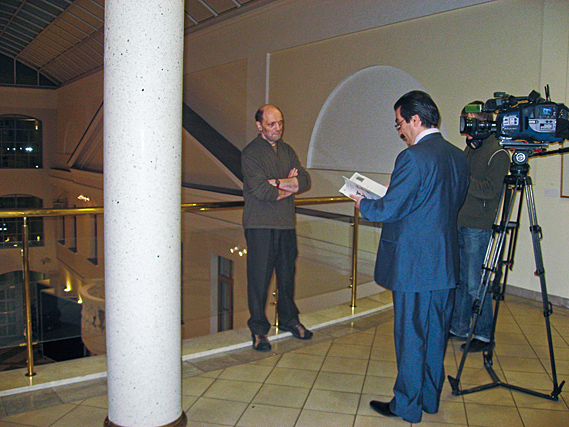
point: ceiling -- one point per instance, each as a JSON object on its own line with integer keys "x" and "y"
{"x": 63, "y": 39}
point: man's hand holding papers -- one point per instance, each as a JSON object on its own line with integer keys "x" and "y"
{"x": 359, "y": 186}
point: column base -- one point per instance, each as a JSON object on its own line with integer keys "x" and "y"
{"x": 180, "y": 422}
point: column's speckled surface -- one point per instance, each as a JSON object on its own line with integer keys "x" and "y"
{"x": 142, "y": 165}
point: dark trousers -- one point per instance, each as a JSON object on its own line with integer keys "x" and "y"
{"x": 422, "y": 322}
{"x": 270, "y": 250}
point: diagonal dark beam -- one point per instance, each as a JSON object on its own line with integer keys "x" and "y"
{"x": 213, "y": 141}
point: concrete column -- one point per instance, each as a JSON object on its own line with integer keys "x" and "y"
{"x": 142, "y": 195}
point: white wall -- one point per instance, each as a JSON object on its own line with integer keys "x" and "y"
{"x": 294, "y": 53}
{"x": 298, "y": 52}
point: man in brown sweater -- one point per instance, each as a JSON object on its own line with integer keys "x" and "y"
{"x": 272, "y": 175}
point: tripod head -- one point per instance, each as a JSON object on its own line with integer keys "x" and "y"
{"x": 519, "y": 170}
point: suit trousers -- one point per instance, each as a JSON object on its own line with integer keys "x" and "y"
{"x": 271, "y": 250}
{"x": 422, "y": 322}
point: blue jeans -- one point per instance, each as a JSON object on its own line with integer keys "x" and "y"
{"x": 472, "y": 243}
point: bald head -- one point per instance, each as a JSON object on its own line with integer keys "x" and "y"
{"x": 270, "y": 122}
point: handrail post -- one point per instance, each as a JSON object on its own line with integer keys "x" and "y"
{"x": 355, "y": 233}
{"x": 276, "y": 297}
{"x": 27, "y": 295}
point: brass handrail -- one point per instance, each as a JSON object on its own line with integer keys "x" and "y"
{"x": 186, "y": 207}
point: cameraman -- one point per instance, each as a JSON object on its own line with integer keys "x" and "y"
{"x": 489, "y": 164}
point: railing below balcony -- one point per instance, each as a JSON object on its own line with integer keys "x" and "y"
{"x": 328, "y": 263}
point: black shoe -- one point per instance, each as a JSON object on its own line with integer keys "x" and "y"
{"x": 261, "y": 342}
{"x": 382, "y": 408}
{"x": 476, "y": 346}
{"x": 456, "y": 337}
{"x": 298, "y": 331}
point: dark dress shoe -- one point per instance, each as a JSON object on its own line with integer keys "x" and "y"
{"x": 476, "y": 346}
{"x": 382, "y": 408}
{"x": 261, "y": 342}
{"x": 298, "y": 331}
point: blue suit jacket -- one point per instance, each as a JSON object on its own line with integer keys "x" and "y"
{"x": 418, "y": 249}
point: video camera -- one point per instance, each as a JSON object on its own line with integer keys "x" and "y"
{"x": 522, "y": 123}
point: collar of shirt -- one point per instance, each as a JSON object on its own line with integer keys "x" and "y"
{"x": 425, "y": 133}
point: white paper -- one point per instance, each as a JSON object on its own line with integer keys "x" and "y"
{"x": 361, "y": 185}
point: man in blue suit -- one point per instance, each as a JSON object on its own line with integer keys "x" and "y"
{"x": 417, "y": 257}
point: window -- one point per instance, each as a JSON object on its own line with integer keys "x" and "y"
{"x": 94, "y": 253}
{"x": 11, "y": 228}
{"x": 225, "y": 294}
{"x": 73, "y": 231}
{"x": 20, "y": 142}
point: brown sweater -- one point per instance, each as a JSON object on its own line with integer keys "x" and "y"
{"x": 260, "y": 162}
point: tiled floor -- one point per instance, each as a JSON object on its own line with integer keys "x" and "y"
{"x": 330, "y": 380}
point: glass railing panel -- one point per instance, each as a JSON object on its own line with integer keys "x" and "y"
{"x": 214, "y": 294}
{"x": 58, "y": 269}
{"x": 214, "y": 275}
{"x": 324, "y": 267}
{"x": 66, "y": 269}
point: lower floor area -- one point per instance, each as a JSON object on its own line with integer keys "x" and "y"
{"x": 329, "y": 380}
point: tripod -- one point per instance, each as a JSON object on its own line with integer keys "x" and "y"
{"x": 495, "y": 260}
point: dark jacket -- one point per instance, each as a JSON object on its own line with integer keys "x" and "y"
{"x": 418, "y": 249}
{"x": 489, "y": 165}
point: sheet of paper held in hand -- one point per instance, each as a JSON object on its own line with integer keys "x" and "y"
{"x": 363, "y": 186}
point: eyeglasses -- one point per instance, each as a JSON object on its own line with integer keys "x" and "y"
{"x": 398, "y": 124}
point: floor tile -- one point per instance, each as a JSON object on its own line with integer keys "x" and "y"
{"x": 333, "y": 401}
{"x": 281, "y": 395}
{"x": 196, "y": 386}
{"x": 499, "y": 396}
{"x": 350, "y": 351}
{"x": 82, "y": 416}
{"x": 99, "y": 402}
{"x": 42, "y": 417}
{"x": 309, "y": 418}
{"x": 492, "y": 415}
{"x": 530, "y": 380}
{"x": 307, "y": 362}
{"x": 515, "y": 350}
{"x": 83, "y": 390}
{"x": 239, "y": 391}
{"x": 381, "y": 368}
{"x": 356, "y": 339}
{"x": 370, "y": 421}
{"x": 521, "y": 364}
{"x": 330, "y": 380}
{"x": 253, "y": 373}
{"x": 24, "y": 402}
{"x": 216, "y": 411}
{"x": 262, "y": 415}
{"x": 339, "y": 382}
{"x": 524, "y": 400}
{"x": 292, "y": 377}
{"x": 320, "y": 349}
{"x": 449, "y": 412}
{"x": 378, "y": 385}
{"x": 345, "y": 365}
{"x": 544, "y": 418}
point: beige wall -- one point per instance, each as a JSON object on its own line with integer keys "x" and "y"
{"x": 294, "y": 54}
{"x": 457, "y": 55}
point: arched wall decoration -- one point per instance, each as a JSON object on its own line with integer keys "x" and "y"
{"x": 355, "y": 130}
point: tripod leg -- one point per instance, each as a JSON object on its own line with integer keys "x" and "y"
{"x": 492, "y": 264}
{"x": 535, "y": 230}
